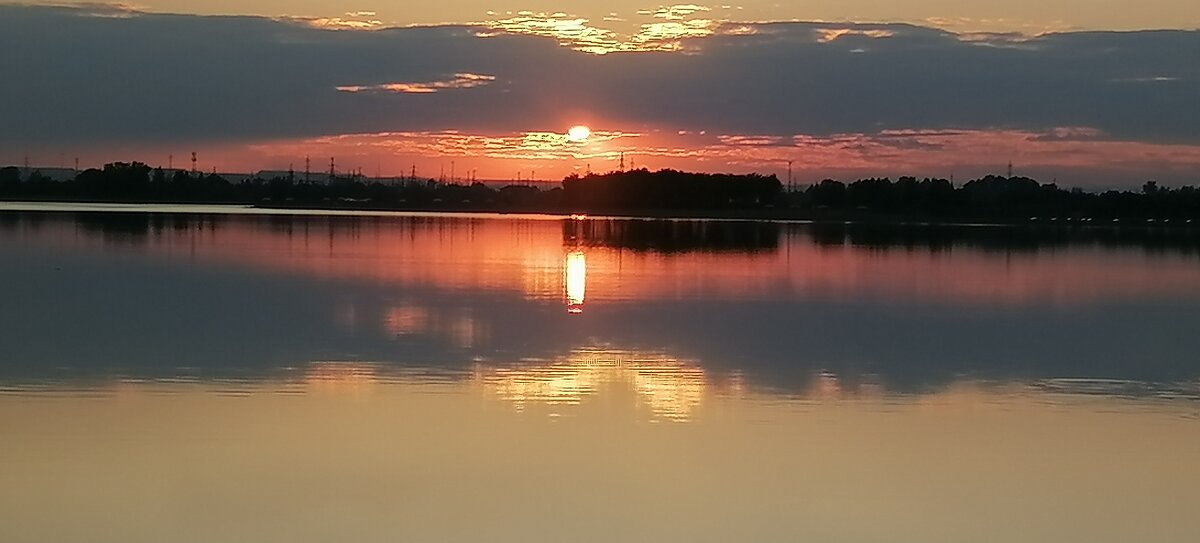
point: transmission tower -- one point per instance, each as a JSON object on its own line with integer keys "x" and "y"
{"x": 790, "y": 187}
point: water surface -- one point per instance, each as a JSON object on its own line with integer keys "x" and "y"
{"x": 214, "y": 374}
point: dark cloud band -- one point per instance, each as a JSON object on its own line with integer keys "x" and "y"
{"x": 80, "y": 75}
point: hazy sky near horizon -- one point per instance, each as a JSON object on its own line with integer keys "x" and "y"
{"x": 864, "y": 87}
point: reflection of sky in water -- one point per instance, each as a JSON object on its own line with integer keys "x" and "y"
{"x": 243, "y": 296}
{"x": 347, "y": 450}
{"x": 209, "y": 378}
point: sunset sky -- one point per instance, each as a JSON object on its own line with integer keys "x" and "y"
{"x": 1090, "y": 95}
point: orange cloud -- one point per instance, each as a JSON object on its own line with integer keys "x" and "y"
{"x": 1059, "y": 150}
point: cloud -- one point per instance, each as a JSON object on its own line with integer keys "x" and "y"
{"x": 452, "y": 143}
{"x": 665, "y": 30}
{"x": 575, "y": 32}
{"x": 677, "y": 12}
{"x": 1152, "y": 79}
{"x": 152, "y": 79}
{"x": 826, "y": 35}
{"x": 104, "y": 9}
{"x": 459, "y": 81}
{"x": 754, "y": 141}
{"x": 1011, "y": 27}
{"x": 355, "y": 22}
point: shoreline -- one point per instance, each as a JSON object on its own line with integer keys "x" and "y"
{"x": 776, "y": 215}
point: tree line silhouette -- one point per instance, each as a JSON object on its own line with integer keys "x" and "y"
{"x": 999, "y": 198}
{"x": 137, "y": 182}
{"x": 991, "y": 198}
{"x": 670, "y": 189}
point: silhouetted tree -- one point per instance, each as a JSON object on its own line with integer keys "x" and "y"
{"x": 670, "y": 189}
{"x": 10, "y": 180}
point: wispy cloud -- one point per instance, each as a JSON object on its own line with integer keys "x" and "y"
{"x": 753, "y": 141}
{"x": 997, "y": 26}
{"x": 114, "y": 10}
{"x": 826, "y": 35}
{"x": 355, "y": 20}
{"x": 1151, "y": 79}
{"x": 675, "y": 13}
{"x": 459, "y": 81}
{"x": 536, "y": 145}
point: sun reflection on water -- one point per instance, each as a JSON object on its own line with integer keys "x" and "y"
{"x": 669, "y": 388}
{"x": 341, "y": 377}
{"x": 575, "y": 281}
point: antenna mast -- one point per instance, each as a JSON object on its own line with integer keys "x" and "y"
{"x": 790, "y": 187}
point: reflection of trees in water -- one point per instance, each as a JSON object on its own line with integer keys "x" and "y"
{"x": 13, "y": 221}
{"x": 355, "y": 226}
{"x": 678, "y": 236}
{"x": 138, "y": 227}
{"x": 132, "y": 228}
{"x": 937, "y": 238}
{"x": 651, "y": 235}
{"x": 673, "y": 236}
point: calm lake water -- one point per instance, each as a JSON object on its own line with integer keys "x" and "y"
{"x": 203, "y": 376}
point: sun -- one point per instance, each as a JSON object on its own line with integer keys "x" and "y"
{"x": 578, "y": 134}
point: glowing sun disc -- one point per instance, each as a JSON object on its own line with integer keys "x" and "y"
{"x": 579, "y": 133}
